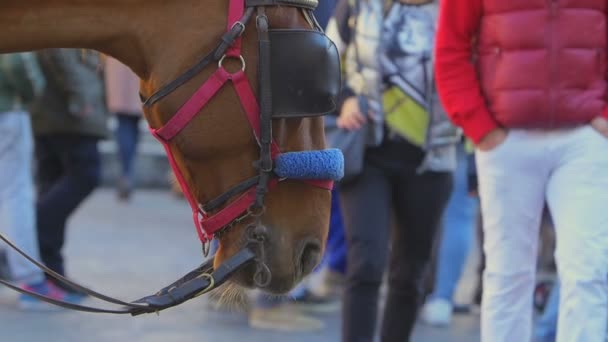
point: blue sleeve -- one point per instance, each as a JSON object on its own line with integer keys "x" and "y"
{"x": 324, "y": 11}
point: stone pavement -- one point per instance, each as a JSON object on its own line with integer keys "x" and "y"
{"x": 131, "y": 250}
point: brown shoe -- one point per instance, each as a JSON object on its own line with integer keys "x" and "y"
{"x": 283, "y": 318}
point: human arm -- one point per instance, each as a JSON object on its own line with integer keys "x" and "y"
{"x": 457, "y": 82}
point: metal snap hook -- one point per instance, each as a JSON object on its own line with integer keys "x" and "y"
{"x": 262, "y": 276}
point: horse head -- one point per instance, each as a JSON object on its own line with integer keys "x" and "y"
{"x": 218, "y": 149}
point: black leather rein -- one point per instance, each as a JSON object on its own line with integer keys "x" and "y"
{"x": 196, "y": 283}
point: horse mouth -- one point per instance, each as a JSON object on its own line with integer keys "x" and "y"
{"x": 267, "y": 272}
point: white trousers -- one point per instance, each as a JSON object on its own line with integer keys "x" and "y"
{"x": 17, "y": 207}
{"x": 567, "y": 169}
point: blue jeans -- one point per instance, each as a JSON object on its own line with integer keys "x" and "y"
{"x": 545, "y": 329}
{"x": 17, "y": 209}
{"x": 335, "y": 255}
{"x": 458, "y": 229}
{"x": 127, "y": 137}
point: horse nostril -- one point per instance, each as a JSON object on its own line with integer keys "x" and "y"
{"x": 310, "y": 256}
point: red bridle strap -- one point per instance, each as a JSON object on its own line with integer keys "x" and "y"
{"x": 207, "y": 225}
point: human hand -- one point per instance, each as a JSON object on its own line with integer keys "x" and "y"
{"x": 351, "y": 117}
{"x": 492, "y": 140}
{"x": 600, "y": 124}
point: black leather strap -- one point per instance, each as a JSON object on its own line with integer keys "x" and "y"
{"x": 63, "y": 279}
{"x": 265, "y": 164}
{"x": 197, "y": 282}
{"x": 226, "y": 196}
{"x": 63, "y": 304}
{"x": 194, "y": 284}
{"x": 226, "y": 41}
{"x": 306, "y": 4}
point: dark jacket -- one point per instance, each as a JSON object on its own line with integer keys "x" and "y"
{"x": 73, "y": 83}
{"x": 20, "y": 81}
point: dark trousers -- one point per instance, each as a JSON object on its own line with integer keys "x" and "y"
{"x": 68, "y": 170}
{"x": 336, "y": 243}
{"x": 389, "y": 187}
{"x": 127, "y": 137}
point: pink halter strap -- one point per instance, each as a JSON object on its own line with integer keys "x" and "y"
{"x": 208, "y": 225}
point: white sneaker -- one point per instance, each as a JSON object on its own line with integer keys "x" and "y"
{"x": 437, "y": 312}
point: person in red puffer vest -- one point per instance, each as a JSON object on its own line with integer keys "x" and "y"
{"x": 526, "y": 81}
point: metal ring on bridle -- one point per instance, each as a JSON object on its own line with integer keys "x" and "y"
{"x": 262, "y": 276}
{"x": 220, "y": 64}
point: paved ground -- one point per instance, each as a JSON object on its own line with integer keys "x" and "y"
{"x": 132, "y": 250}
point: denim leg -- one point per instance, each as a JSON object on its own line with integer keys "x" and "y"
{"x": 366, "y": 207}
{"x": 80, "y": 159}
{"x": 458, "y": 228}
{"x": 545, "y": 329}
{"x": 17, "y": 213}
{"x": 127, "y": 136}
{"x": 336, "y": 243}
{"x": 418, "y": 202}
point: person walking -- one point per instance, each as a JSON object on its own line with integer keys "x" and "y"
{"x": 20, "y": 81}
{"x": 526, "y": 81}
{"x": 407, "y": 167}
{"x": 68, "y": 120}
{"x": 122, "y": 94}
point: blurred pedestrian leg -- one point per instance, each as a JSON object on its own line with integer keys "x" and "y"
{"x": 455, "y": 245}
{"x": 17, "y": 194}
{"x": 68, "y": 172}
{"x": 127, "y": 137}
{"x": 545, "y": 328}
{"x": 122, "y": 97}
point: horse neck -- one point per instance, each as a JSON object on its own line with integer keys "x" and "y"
{"x": 128, "y": 30}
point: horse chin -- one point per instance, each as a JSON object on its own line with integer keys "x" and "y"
{"x": 284, "y": 273}
{"x": 280, "y": 283}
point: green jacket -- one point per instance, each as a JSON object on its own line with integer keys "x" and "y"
{"x": 20, "y": 81}
{"x": 73, "y": 101}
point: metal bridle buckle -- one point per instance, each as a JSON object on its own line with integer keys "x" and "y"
{"x": 241, "y": 27}
{"x": 220, "y": 64}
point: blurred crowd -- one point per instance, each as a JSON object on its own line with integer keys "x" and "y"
{"x": 55, "y": 105}
{"x": 464, "y": 131}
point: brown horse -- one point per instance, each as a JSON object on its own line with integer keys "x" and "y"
{"x": 158, "y": 40}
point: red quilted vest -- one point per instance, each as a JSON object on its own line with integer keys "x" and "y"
{"x": 542, "y": 63}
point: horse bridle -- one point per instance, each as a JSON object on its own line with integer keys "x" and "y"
{"x": 249, "y": 204}
{"x": 251, "y": 192}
